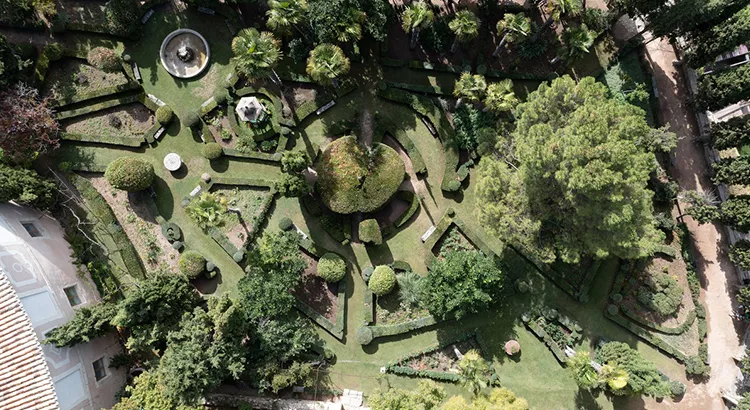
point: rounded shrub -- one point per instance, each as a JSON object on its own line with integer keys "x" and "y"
{"x": 164, "y": 115}
{"x": 451, "y": 212}
{"x": 676, "y": 388}
{"x": 220, "y": 95}
{"x": 369, "y": 232}
{"x": 177, "y": 245}
{"x": 353, "y": 178}
{"x": 454, "y": 186}
{"x": 616, "y": 297}
{"x": 126, "y": 58}
{"x": 191, "y": 119}
{"x": 192, "y": 264}
{"x": 364, "y": 336}
{"x": 367, "y": 273}
{"x": 331, "y": 267}
{"x": 382, "y": 281}
{"x": 212, "y": 150}
{"x": 238, "y": 256}
{"x": 104, "y": 59}
{"x": 612, "y": 310}
{"x": 129, "y": 174}
{"x": 522, "y": 286}
{"x": 285, "y": 223}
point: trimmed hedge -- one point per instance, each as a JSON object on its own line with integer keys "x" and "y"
{"x": 129, "y": 174}
{"x": 164, "y": 114}
{"x": 223, "y": 241}
{"x": 64, "y": 114}
{"x": 108, "y": 139}
{"x": 101, "y": 210}
{"x": 98, "y": 93}
{"x": 212, "y": 151}
{"x": 262, "y": 156}
{"x": 369, "y": 232}
{"x": 417, "y": 162}
{"x": 551, "y": 344}
{"x": 369, "y": 307}
{"x": 720, "y": 89}
{"x": 331, "y": 267}
{"x": 192, "y": 264}
{"x": 382, "y": 281}
{"x": 413, "y": 200}
{"x": 406, "y": 327}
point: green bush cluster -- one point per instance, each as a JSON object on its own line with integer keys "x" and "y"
{"x": 191, "y": 119}
{"x": 644, "y": 377}
{"x": 129, "y": 174}
{"x": 369, "y": 232}
{"x": 122, "y": 16}
{"x": 212, "y": 151}
{"x": 718, "y": 90}
{"x": 331, "y": 267}
{"x": 192, "y": 264}
{"x": 364, "y": 336}
{"x": 164, "y": 115}
{"x": 382, "y": 281}
{"x": 104, "y": 59}
{"x": 732, "y": 133}
{"x": 286, "y": 223}
{"x": 662, "y": 294}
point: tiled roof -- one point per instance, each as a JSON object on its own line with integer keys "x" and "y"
{"x": 25, "y": 381}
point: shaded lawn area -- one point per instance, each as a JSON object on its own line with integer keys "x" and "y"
{"x": 73, "y": 76}
{"x": 182, "y": 95}
{"x": 128, "y": 120}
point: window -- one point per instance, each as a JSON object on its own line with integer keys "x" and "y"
{"x": 32, "y": 229}
{"x": 72, "y": 293}
{"x": 100, "y": 370}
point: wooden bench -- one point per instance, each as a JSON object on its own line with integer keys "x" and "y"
{"x": 206, "y": 10}
{"x": 324, "y": 108}
{"x": 147, "y": 16}
{"x": 137, "y": 72}
{"x": 159, "y": 133}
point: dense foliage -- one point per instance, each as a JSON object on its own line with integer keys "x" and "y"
{"x": 327, "y": 63}
{"x": 129, "y": 174}
{"x": 661, "y": 293}
{"x": 499, "y": 398}
{"x": 578, "y": 181}
{"x": 89, "y": 322}
{"x": 739, "y": 253}
{"x": 382, "y": 281}
{"x": 212, "y": 150}
{"x": 732, "y": 171}
{"x": 461, "y": 283}
{"x": 644, "y": 377}
{"x": 164, "y": 115}
{"x": 255, "y": 53}
{"x": 292, "y": 185}
{"x": 355, "y": 178}
{"x": 148, "y": 392}
{"x": 27, "y": 125}
{"x": 732, "y": 133}
{"x": 104, "y": 59}
{"x": 468, "y": 120}
{"x": 294, "y": 161}
{"x": 735, "y": 212}
{"x": 718, "y": 90}
{"x": 722, "y": 38}
{"x": 11, "y": 62}
{"x": 369, "y": 232}
{"x": 331, "y": 267}
{"x": 427, "y": 396}
{"x": 207, "y": 210}
{"x": 342, "y": 21}
{"x": 25, "y": 186}
{"x": 122, "y": 16}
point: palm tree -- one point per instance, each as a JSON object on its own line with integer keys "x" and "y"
{"x": 416, "y": 17}
{"x": 500, "y": 96}
{"x": 471, "y": 87}
{"x": 474, "y": 372}
{"x": 465, "y": 25}
{"x": 614, "y": 376}
{"x": 583, "y": 371}
{"x": 351, "y": 28}
{"x": 255, "y": 54}
{"x": 513, "y": 27}
{"x": 560, "y": 9}
{"x": 577, "y": 41}
{"x": 409, "y": 287}
{"x": 283, "y": 15}
{"x": 326, "y": 63}
{"x": 207, "y": 210}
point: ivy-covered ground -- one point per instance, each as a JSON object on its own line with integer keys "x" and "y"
{"x": 536, "y": 375}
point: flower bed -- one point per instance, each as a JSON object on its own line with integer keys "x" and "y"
{"x": 128, "y": 121}
{"x": 72, "y": 80}
{"x": 556, "y": 330}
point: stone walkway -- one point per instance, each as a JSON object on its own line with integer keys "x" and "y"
{"x": 717, "y": 274}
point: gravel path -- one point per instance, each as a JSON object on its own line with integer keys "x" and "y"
{"x": 718, "y": 276}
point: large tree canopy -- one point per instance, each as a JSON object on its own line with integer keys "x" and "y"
{"x": 577, "y": 183}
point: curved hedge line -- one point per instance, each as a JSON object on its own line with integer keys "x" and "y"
{"x": 682, "y": 328}
{"x": 413, "y": 201}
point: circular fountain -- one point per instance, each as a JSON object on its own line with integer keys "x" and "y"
{"x": 184, "y": 53}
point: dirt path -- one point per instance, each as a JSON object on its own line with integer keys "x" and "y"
{"x": 718, "y": 276}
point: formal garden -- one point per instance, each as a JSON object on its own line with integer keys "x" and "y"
{"x": 427, "y": 203}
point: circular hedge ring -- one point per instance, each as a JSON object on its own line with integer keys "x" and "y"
{"x": 331, "y": 267}
{"x": 354, "y": 179}
{"x": 129, "y": 174}
{"x": 192, "y": 264}
{"x": 382, "y": 281}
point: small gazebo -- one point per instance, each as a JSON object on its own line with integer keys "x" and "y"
{"x": 251, "y": 110}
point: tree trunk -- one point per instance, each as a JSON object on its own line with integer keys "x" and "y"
{"x": 454, "y": 46}
{"x": 500, "y": 46}
{"x": 275, "y": 78}
{"x": 414, "y": 38}
{"x": 544, "y": 28}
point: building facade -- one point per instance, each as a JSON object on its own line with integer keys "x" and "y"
{"x": 36, "y": 261}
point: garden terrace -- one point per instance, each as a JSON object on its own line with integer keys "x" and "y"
{"x": 119, "y": 124}
{"x": 71, "y": 80}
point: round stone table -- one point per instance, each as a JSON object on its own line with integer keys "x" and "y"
{"x": 172, "y": 162}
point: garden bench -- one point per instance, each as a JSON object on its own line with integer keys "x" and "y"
{"x": 159, "y": 133}
{"x": 429, "y": 126}
{"x": 206, "y": 10}
{"x": 428, "y": 233}
{"x": 137, "y": 72}
{"x": 200, "y": 134}
{"x": 298, "y": 389}
{"x": 324, "y": 108}
{"x": 195, "y": 191}
{"x": 147, "y": 16}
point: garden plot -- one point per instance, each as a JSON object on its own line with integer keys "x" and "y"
{"x": 124, "y": 121}
{"x": 219, "y": 125}
{"x": 391, "y": 310}
{"x": 236, "y": 226}
{"x": 452, "y": 240}
{"x": 71, "y": 77}
{"x": 315, "y": 292}
{"x": 83, "y": 13}
{"x": 139, "y": 225}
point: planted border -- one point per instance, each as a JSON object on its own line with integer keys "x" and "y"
{"x": 110, "y": 140}
{"x": 537, "y": 330}
{"x": 65, "y": 114}
{"x": 400, "y": 135}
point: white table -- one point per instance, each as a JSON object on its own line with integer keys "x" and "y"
{"x": 172, "y": 162}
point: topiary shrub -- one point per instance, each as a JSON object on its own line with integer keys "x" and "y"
{"x": 331, "y": 267}
{"x": 285, "y": 224}
{"x": 238, "y": 256}
{"x": 164, "y": 115}
{"x": 129, "y": 174}
{"x": 612, "y": 310}
{"x": 364, "y": 336}
{"x": 676, "y": 388}
{"x": 662, "y": 294}
{"x": 171, "y": 231}
{"x": 382, "y": 281}
{"x": 220, "y": 95}
{"x": 126, "y": 58}
{"x": 192, "y": 264}
{"x": 695, "y": 366}
{"x": 177, "y": 245}
{"x": 617, "y": 298}
{"x": 453, "y": 186}
{"x": 353, "y": 178}
{"x": 191, "y": 119}
{"x": 451, "y": 212}
{"x": 369, "y": 232}
{"x": 367, "y": 273}
{"x": 104, "y": 59}
{"x": 212, "y": 150}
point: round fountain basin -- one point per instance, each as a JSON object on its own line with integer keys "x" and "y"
{"x": 184, "y": 38}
